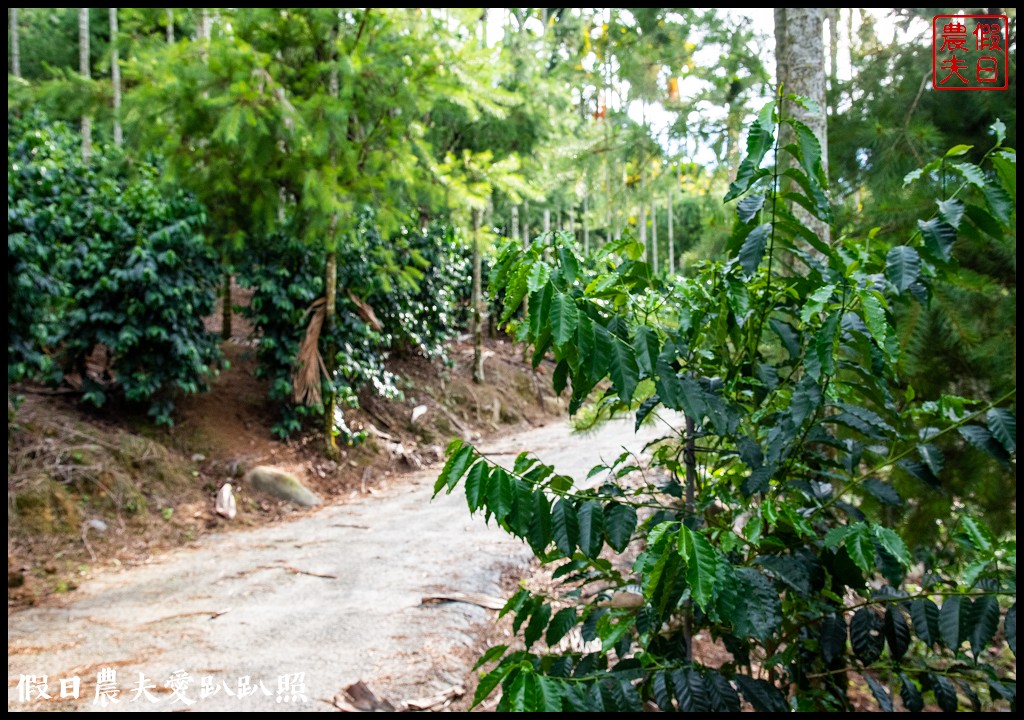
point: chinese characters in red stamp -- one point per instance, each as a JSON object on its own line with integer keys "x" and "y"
{"x": 970, "y": 52}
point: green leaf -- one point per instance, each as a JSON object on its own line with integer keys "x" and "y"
{"x": 486, "y": 685}
{"x": 591, "y": 525}
{"x": 866, "y": 637}
{"x": 661, "y": 689}
{"x": 860, "y": 546}
{"x": 748, "y": 207}
{"x": 939, "y": 237}
{"x": 619, "y": 524}
{"x": 983, "y": 623}
{"x": 998, "y": 129}
{"x": 958, "y": 150}
{"x": 981, "y": 537}
{"x": 1005, "y": 164}
{"x": 952, "y": 211}
{"x": 689, "y": 690}
{"x": 701, "y": 565}
{"x": 882, "y": 492}
{"x": 932, "y": 457}
{"x": 647, "y": 348}
{"x": 911, "y": 696}
{"x": 902, "y": 267}
{"x": 721, "y": 693}
{"x": 568, "y": 264}
{"x": 764, "y": 696}
{"x": 539, "y": 274}
{"x": 893, "y": 544}
{"x": 500, "y": 493}
{"x": 538, "y": 622}
{"x": 925, "y": 614}
{"x": 805, "y": 401}
{"x": 982, "y": 439}
{"x": 972, "y": 173}
{"x": 759, "y": 141}
{"x": 563, "y": 621}
{"x": 880, "y": 693}
{"x": 945, "y": 693}
{"x": 874, "y": 315}
{"x": 540, "y": 533}
{"x": 833, "y": 639}
{"x": 897, "y": 631}
{"x": 454, "y": 468}
{"x": 949, "y": 623}
{"x": 560, "y": 376}
{"x": 565, "y": 526}
{"x": 999, "y": 201}
{"x": 476, "y": 486}
{"x": 1010, "y": 628}
{"x": 1002, "y": 424}
{"x": 624, "y": 370}
{"x": 763, "y": 607}
{"x": 790, "y": 570}
{"x": 563, "y": 318}
{"x": 752, "y": 250}
{"x": 549, "y": 694}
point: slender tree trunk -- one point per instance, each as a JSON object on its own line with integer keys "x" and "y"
{"x": 477, "y": 301}
{"x": 671, "y": 237}
{"x": 83, "y": 67}
{"x": 15, "y": 51}
{"x": 526, "y": 298}
{"x": 115, "y": 78}
{"x": 331, "y": 284}
{"x": 226, "y": 306}
{"x": 547, "y": 221}
{"x": 800, "y": 59}
{"x": 514, "y": 221}
{"x": 170, "y": 25}
{"x": 586, "y": 226}
{"x": 654, "y": 234}
{"x": 643, "y": 230}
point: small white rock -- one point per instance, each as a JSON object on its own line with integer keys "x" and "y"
{"x": 418, "y": 412}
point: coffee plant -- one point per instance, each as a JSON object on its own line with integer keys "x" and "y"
{"x": 769, "y": 519}
{"x": 101, "y": 258}
{"x": 415, "y": 282}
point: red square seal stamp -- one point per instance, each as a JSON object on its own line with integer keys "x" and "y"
{"x": 970, "y": 52}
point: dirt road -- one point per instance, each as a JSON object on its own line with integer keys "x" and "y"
{"x": 284, "y": 617}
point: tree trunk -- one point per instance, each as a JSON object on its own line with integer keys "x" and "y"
{"x": 83, "y": 67}
{"x": 514, "y": 222}
{"x": 15, "y": 51}
{"x": 643, "y": 230}
{"x": 226, "y": 308}
{"x": 800, "y": 59}
{"x": 671, "y": 237}
{"x": 115, "y": 78}
{"x": 330, "y": 321}
{"x": 654, "y": 234}
{"x": 476, "y": 299}
{"x": 586, "y": 226}
{"x": 170, "y": 25}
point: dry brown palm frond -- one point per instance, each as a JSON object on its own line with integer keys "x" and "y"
{"x": 366, "y": 312}
{"x": 309, "y": 364}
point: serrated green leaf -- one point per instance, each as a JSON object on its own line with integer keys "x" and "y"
{"x": 752, "y": 251}
{"x": 860, "y": 546}
{"x": 912, "y": 176}
{"x": 866, "y": 637}
{"x": 759, "y": 141}
{"x": 972, "y": 173}
{"x": 982, "y": 623}
{"x": 661, "y": 689}
{"x": 882, "y": 492}
{"x": 790, "y": 570}
{"x": 932, "y": 457}
{"x": 568, "y": 265}
{"x": 647, "y": 349}
{"x": 486, "y": 686}
{"x": 591, "y": 525}
{"x": 619, "y": 524}
{"x": 981, "y": 537}
{"x": 491, "y": 654}
{"x": 982, "y": 439}
{"x": 701, "y": 565}
{"x": 816, "y": 302}
{"x": 902, "y": 267}
{"x": 893, "y": 544}
{"x": 538, "y": 276}
{"x": 999, "y": 201}
{"x": 874, "y": 316}
{"x": 1002, "y": 424}
{"x": 939, "y": 237}
{"x": 748, "y": 207}
{"x": 565, "y": 526}
{"x": 952, "y": 211}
